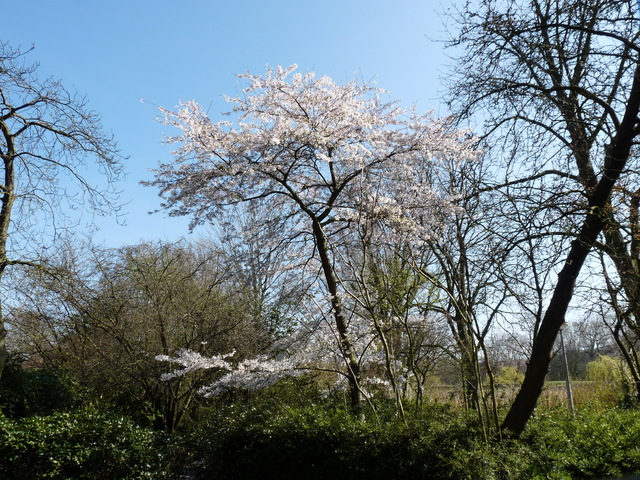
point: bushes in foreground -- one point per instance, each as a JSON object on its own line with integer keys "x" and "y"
{"x": 594, "y": 444}
{"x": 316, "y": 441}
{"x": 82, "y": 445}
{"x": 313, "y": 442}
{"x": 290, "y": 432}
{"x": 321, "y": 443}
{"x": 38, "y": 391}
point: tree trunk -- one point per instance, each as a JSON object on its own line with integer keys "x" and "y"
{"x": 3, "y": 347}
{"x": 346, "y": 347}
{"x": 6, "y": 208}
{"x": 615, "y": 161}
{"x": 538, "y": 365}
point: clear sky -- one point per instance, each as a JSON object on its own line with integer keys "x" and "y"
{"x": 119, "y": 52}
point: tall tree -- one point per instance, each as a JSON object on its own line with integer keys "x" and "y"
{"x": 47, "y": 136}
{"x": 322, "y": 156}
{"x": 561, "y": 80}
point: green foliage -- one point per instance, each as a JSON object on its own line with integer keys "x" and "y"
{"x": 314, "y": 439}
{"x": 509, "y": 375}
{"x": 606, "y": 369}
{"x": 327, "y": 444}
{"x": 31, "y": 392}
{"x": 595, "y": 444}
{"x": 82, "y": 445}
{"x": 290, "y": 431}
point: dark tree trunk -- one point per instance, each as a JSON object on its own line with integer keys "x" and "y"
{"x": 538, "y": 365}
{"x": 8, "y": 155}
{"x": 615, "y": 161}
{"x": 351, "y": 359}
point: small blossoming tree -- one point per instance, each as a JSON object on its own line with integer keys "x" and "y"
{"x": 325, "y": 158}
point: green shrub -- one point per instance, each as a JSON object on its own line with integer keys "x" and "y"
{"x": 32, "y": 392}
{"x": 321, "y": 441}
{"x": 594, "y": 444}
{"x": 607, "y": 369}
{"x": 509, "y": 375}
{"x": 293, "y": 438}
{"x": 81, "y": 445}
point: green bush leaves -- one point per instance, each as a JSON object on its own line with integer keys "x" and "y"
{"x": 80, "y": 445}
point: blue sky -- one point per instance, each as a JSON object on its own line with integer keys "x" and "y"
{"x": 120, "y": 52}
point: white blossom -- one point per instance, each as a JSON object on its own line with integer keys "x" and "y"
{"x": 319, "y": 156}
{"x": 307, "y": 139}
{"x": 192, "y": 361}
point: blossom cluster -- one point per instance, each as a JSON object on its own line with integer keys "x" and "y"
{"x": 302, "y": 143}
{"x": 251, "y": 374}
{"x": 191, "y": 361}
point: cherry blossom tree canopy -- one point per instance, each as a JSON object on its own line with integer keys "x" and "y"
{"x": 308, "y": 145}
{"x": 329, "y": 161}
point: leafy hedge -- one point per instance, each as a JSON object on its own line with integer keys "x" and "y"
{"x": 32, "y": 392}
{"x": 289, "y": 433}
{"x": 81, "y": 445}
{"x": 594, "y": 444}
{"x": 261, "y": 441}
{"x": 315, "y": 442}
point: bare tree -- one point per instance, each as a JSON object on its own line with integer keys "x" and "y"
{"x": 108, "y": 314}
{"x": 47, "y": 137}
{"x": 620, "y": 316}
{"x": 469, "y": 275}
{"x": 561, "y": 80}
